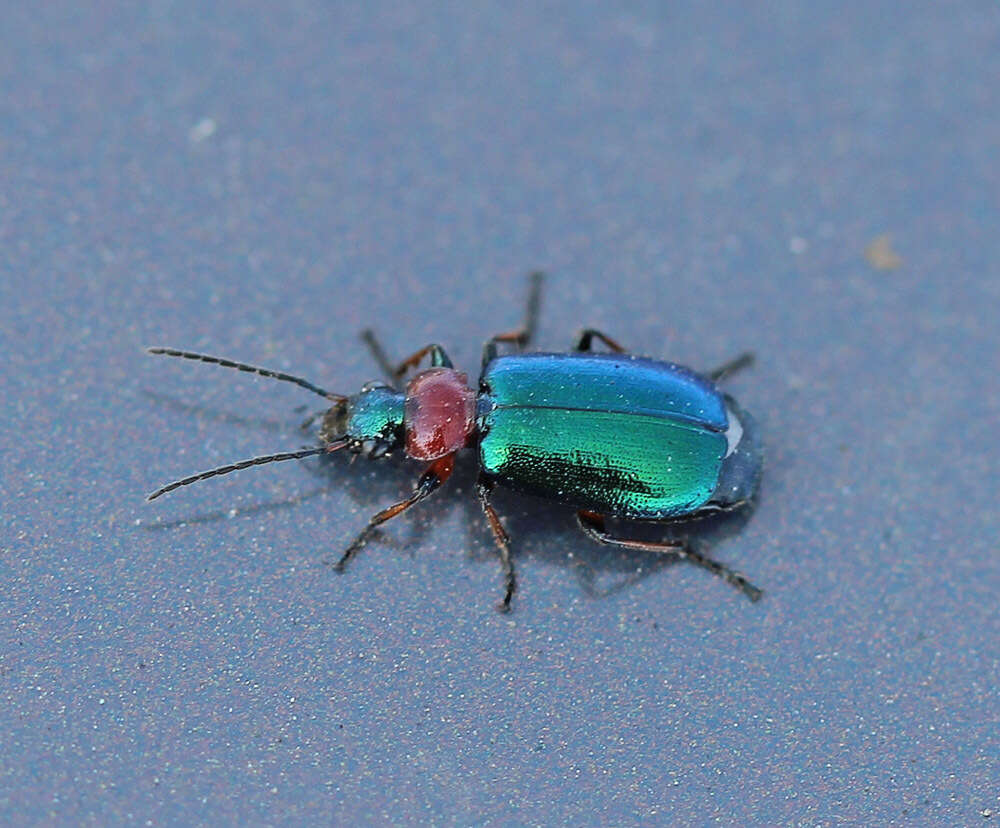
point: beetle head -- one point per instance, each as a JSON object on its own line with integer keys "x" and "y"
{"x": 371, "y": 421}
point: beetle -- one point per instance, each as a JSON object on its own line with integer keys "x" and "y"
{"x": 609, "y": 433}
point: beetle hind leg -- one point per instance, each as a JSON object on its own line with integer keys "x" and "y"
{"x": 727, "y": 369}
{"x": 483, "y": 489}
{"x": 594, "y": 526}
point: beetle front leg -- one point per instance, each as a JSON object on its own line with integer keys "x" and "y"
{"x": 593, "y": 525}
{"x": 379, "y": 355}
{"x": 312, "y": 418}
{"x": 483, "y": 489}
{"x": 430, "y": 481}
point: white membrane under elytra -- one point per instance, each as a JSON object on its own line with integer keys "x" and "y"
{"x": 734, "y": 432}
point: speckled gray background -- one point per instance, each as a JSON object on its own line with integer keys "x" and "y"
{"x": 261, "y": 180}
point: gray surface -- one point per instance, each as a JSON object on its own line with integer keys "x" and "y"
{"x": 697, "y": 181}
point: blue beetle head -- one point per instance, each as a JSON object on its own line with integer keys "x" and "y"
{"x": 371, "y": 421}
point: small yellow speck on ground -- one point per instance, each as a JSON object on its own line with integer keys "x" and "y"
{"x": 880, "y": 254}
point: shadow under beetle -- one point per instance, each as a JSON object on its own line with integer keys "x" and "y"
{"x": 611, "y": 434}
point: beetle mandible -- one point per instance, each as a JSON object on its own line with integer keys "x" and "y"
{"x": 610, "y": 434}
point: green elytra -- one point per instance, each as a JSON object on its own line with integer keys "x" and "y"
{"x": 608, "y": 433}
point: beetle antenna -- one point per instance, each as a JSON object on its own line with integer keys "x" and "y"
{"x": 246, "y": 464}
{"x": 251, "y": 369}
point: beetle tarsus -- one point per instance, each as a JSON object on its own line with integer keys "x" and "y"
{"x": 379, "y": 355}
{"x": 483, "y": 489}
{"x": 730, "y": 576}
{"x": 340, "y": 565}
{"x": 727, "y": 369}
{"x": 594, "y": 526}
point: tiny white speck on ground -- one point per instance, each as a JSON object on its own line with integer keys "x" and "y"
{"x": 205, "y": 128}
{"x": 798, "y": 245}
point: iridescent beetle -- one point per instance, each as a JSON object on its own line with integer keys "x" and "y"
{"x": 610, "y": 434}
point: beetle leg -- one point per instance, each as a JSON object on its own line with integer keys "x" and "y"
{"x": 593, "y": 525}
{"x": 379, "y": 355}
{"x": 483, "y": 489}
{"x": 521, "y": 337}
{"x": 489, "y": 354}
{"x": 312, "y": 418}
{"x": 587, "y": 335}
{"x": 430, "y": 481}
{"x": 439, "y": 359}
{"x": 727, "y": 369}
